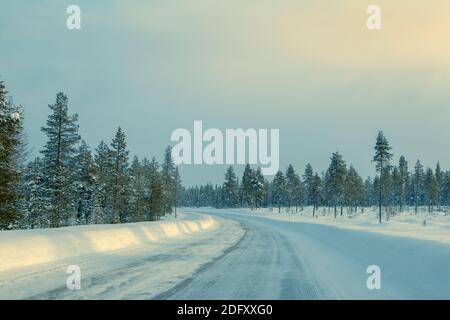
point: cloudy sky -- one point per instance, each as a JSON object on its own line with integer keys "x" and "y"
{"x": 310, "y": 68}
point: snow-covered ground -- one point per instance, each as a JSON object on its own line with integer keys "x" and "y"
{"x": 426, "y": 226}
{"x": 279, "y": 259}
{"x": 130, "y": 261}
{"x": 232, "y": 254}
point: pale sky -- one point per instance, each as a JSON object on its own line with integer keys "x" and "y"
{"x": 310, "y": 68}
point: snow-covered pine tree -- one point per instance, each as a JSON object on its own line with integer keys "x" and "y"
{"x": 279, "y": 190}
{"x": 136, "y": 205}
{"x": 178, "y": 188}
{"x": 259, "y": 188}
{"x": 382, "y": 159}
{"x": 404, "y": 181}
{"x": 354, "y": 189}
{"x": 316, "y": 192}
{"x": 431, "y": 189}
{"x": 10, "y": 158}
{"x": 440, "y": 184}
{"x": 230, "y": 186}
{"x": 247, "y": 187}
{"x": 86, "y": 184}
{"x": 104, "y": 171}
{"x": 35, "y": 202}
{"x": 119, "y": 154}
{"x": 168, "y": 180}
{"x": 58, "y": 153}
{"x": 417, "y": 185}
{"x": 337, "y": 172}
{"x": 308, "y": 177}
{"x": 156, "y": 203}
{"x": 291, "y": 185}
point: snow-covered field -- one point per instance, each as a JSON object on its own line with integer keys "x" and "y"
{"x": 426, "y": 226}
{"x": 129, "y": 261}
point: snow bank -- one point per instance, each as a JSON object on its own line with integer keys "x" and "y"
{"x": 28, "y": 248}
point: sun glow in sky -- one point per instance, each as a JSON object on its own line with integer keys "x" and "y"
{"x": 309, "y": 68}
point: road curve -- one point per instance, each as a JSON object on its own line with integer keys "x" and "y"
{"x": 282, "y": 260}
{"x": 264, "y": 264}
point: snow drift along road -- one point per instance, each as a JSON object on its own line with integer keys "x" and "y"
{"x": 29, "y": 248}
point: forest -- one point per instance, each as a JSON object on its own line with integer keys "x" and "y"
{"x": 394, "y": 189}
{"x": 70, "y": 184}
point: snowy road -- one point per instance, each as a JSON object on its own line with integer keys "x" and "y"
{"x": 282, "y": 260}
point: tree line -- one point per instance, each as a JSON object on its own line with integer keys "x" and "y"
{"x": 68, "y": 184}
{"x": 395, "y": 188}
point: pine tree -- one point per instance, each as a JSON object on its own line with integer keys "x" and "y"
{"x": 168, "y": 180}
{"x": 230, "y": 186}
{"x": 10, "y": 152}
{"x": 418, "y": 178}
{"x": 308, "y": 178}
{"x": 440, "y": 184}
{"x": 178, "y": 190}
{"x": 291, "y": 185}
{"x": 354, "y": 189}
{"x": 259, "y": 188}
{"x": 404, "y": 178}
{"x": 316, "y": 192}
{"x": 119, "y": 155}
{"x": 337, "y": 172}
{"x": 136, "y": 193}
{"x": 247, "y": 187}
{"x": 279, "y": 190}
{"x": 382, "y": 159}
{"x": 431, "y": 189}
{"x": 104, "y": 168}
{"x": 62, "y": 134}
{"x": 157, "y": 205}
{"x": 35, "y": 203}
{"x": 85, "y": 184}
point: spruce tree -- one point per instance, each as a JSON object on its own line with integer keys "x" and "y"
{"x": 431, "y": 189}
{"x": 230, "y": 189}
{"x": 404, "y": 178}
{"x": 85, "y": 184}
{"x": 10, "y": 153}
{"x": 157, "y": 205}
{"x": 136, "y": 191}
{"x": 418, "y": 178}
{"x": 247, "y": 187}
{"x": 337, "y": 172}
{"x": 308, "y": 178}
{"x": 291, "y": 184}
{"x": 168, "y": 180}
{"x": 119, "y": 155}
{"x": 382, "y": 159}
{"x": 62, "y": 138}
{"x": 279, "y": 190}
{"x": 35, "y": 202}
{"x": 259, "y": 188}
{"x": 316, "y": 192}
{"x": 104, "y": 168}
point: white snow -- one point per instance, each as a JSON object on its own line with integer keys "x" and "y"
{"x": 335, "y": 259}
{"x": 29, "y": 248}
{"x": 127, "y": 261}
{"x": 404, "y": 224}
